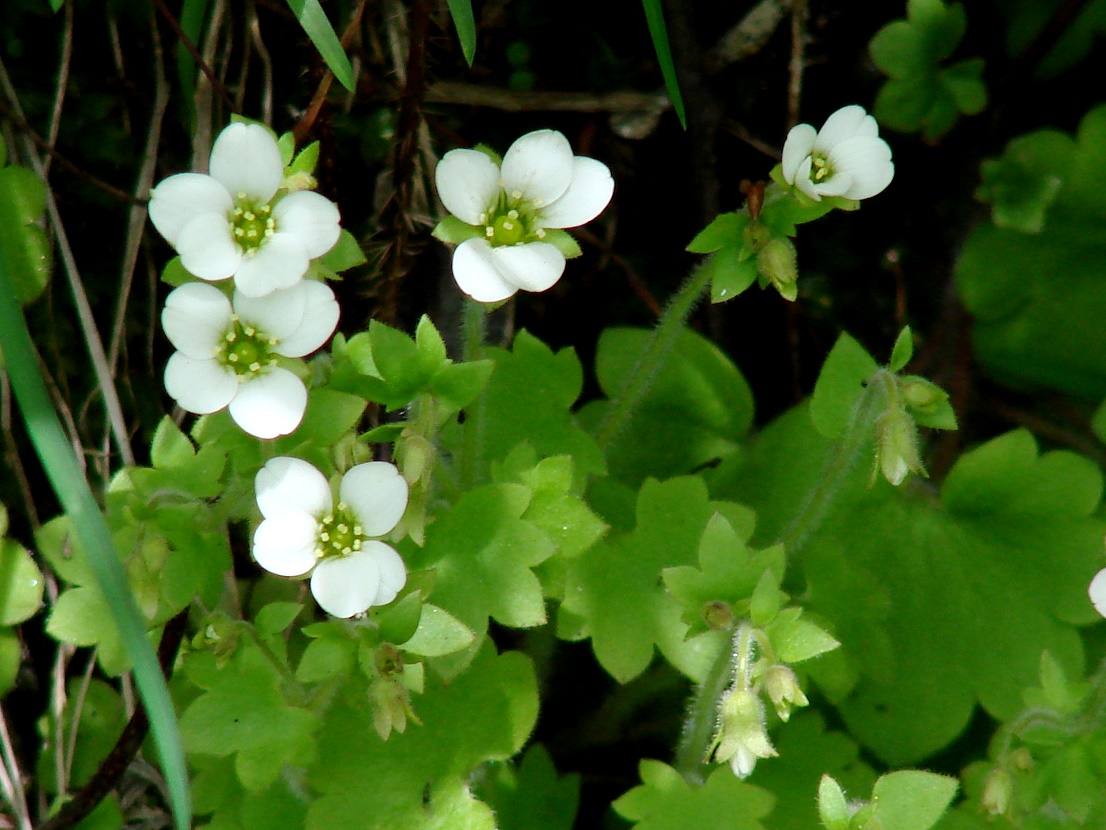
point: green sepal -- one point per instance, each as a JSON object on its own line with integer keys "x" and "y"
{"x": 399, "y": 621}
{"x": 903, "y": 350}
{"x": 833, "y": 809}
{"x": 563, "y": 241}
{"x": 453, "y": 231}
{"x": 345, "y": 254}
{"x": 174, "y": 273}
{"x": 287, "y": 145}
{"x": 306, "y": 160}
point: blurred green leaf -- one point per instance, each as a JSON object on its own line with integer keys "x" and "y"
{"x": 315, "y": 23}
{"x": 665, "y": 801}
{"x": 461, "y": 12}
{"x": 654, "y": 16}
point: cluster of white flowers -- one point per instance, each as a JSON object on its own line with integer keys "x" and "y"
{"x": 242, "y": 223}
{"x": 845, "y": 158}
{"x": 510, "y": 208}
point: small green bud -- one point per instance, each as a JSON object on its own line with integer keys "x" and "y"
{"x": 778, "y": 262}
{"x": 1021, "y": 759}
{"x": 783, "y": 690}
{"x": 756, "y": 235}
{"x": 998, "y": 788}
{"x": 897, "y": 446}
{"x": 717, "y": 615}
{"x": 921, "y": 394}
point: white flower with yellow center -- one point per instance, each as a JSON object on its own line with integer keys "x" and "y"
{"x": 304, "y": 532}
{"x": 228, "y": 224}
{"x": 845, "y": 158}
{"x": 227, "y": 351}
{"x": 510, "y": 208}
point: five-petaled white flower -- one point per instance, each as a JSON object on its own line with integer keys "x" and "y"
{"x": 539, "y": 186}
{"x": 227, "y": 351}
{"x": 845, "y": 158}
{"x": 227, "y": 224}
{"x": 304, "y": 532}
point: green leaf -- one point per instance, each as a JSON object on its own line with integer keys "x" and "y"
{"x": 725, "y": 230}
{"x": 275, "y": 617}
{"x": 697, "y": 408}
{"x": 531, "y": 796}
{"x": 82, "y": 617}
{"x": 903, "y": 350}
{"x": 171, "y": 447}
{"x": 11, "y": 658}
{"x": 459, "y": 384}
{"x": 833, "y": 809}
{"x": 98, "y": 715}
{"x": 439, "y": 633}
{"x": 21, "y": 584}
{"x": 730, "y": 275}
{"x": 324, "y": 658}
{"x": 24, "y": 243}
{"x": 329, "y": 416}
{"x": 795, "y": 639}
{"x": 654, "y": 16}
{"x": 912, "y": 799}
{"x": 665, "y": 801}
{"x": 839, "y": 386}
{"x": 345, "y": 254}
{"x": 461, "y": 12}
{"x": 314, "y": 22}
{"x": 305, "y": 162}
{"x": 899, "y": 50}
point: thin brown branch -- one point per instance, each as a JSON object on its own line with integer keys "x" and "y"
{"x": 190, "y": 47}
{"x": 509, "y": 100}
{"x": 303, "y": 126}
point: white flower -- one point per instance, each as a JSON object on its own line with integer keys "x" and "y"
{"x": 540, "y": 186}
{"x": 1097, "y": 592}
{"x": 227, "y": 351}
{"x": 303, "y": 532}
{"x": 742, "y": 737}
{"x": 845, "y": 158}
{"x": 227, "y": 224}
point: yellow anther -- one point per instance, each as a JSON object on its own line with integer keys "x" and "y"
{"x": 512, "y": 214}
{"x": 239, "y": 232}
{"x": 255, "y": 366}
{"x": 249, "y": 216}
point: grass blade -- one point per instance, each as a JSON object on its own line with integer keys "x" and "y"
{"x": 315, "y": 23}
{"x": 461, "y": 12}
{"x": 659, "y": 32}
{"x": 60, "y": 464}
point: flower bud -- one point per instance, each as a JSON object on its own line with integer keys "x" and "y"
{"x": 783, "y": 690}
{"x": 717, "y": 615}
{"x": 742, "y": 738}
{"x": 897, "y": 446}
{"x": 778, "y": 262}
{"x": 299, "y": 181}
{"x": 1021, "y": 759}
{"x": 921, "y": 394}
{"x": 998, "y": 788}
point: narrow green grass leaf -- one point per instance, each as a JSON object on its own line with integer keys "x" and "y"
{"x": 73, "y": 492}
{"x": 659, "y": 32}
{"x": 461, "y": 12}
{"x": 315, "y": 23}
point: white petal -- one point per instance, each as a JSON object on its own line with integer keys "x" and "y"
{"x": 346, "y": 585}
{"x": 539, "y": 166}
{"x": 277, "y": 314}
{"x": 285, "y": 545}
{"x": 802, "y": 179}
{"x": 868, "y": 161}
{"x": 288, "y": 485}
{"x": 393, "y": 573}
{"x": 377, "y": 495}
{"x": 476, "y": 274}
{"x": 246, "y": 159}
{"x": 848, "y": 122}
{"x": 270, "y": 405}
{"x": 1097, "y": 592}
{"x": 181, "y": 198}
{"x": 207, "y": 248}
{"x": 799, "y": 143}
{"x": 195, "y": 318}
{"x": 590, "y": 192}
{"x": 534, "y": 266}
{"x": 743, "y": 762}
{"x": 468, "y": 184}
{"x": 320, "y": 318}
{"x": 836, "y": 185}
{"x": 310, "y": 218}
{"x": 279, "y": 263}
{"x": 199, "y": 386}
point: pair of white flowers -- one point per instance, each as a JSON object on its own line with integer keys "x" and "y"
{"x": 241, "y": 222}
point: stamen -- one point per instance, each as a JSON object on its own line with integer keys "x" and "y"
{"x": 512, "y": 214}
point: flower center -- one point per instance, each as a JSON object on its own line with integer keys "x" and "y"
{"x": 245, "y": 349}
{"x": 819, "y": 169}
{"x": 252, "y": 224}
{"x": 511, "y": 221}
{"x": 340, "y": 533}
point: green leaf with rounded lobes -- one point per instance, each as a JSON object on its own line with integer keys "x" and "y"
{"x": 665, "y": 801}
{"x": 796, "y": 639}
{"x": 170, "y": 447}
{"x": 531, "y": 795}
{"x": 439, "y": 633}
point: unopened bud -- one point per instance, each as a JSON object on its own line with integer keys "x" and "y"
{"x": 742, "y": 738}
{"x": 998, "y": 787}
{"x": 778, "y": 262}
{"x": 897, "y": 446}
{"x": 717, "y": 615}
{"x": 416, "y": 453}
{"x": 1021, "y": 759}
{"x": 783, "y": 690}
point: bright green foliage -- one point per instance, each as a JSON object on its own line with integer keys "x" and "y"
{"x": 612, "y": 594}
{"x": 1026, "y": 19}
{"x": 102, "y": 718}
{"x": 808, "y": 751}
{"x": 902, "y": 351}
{"x": 654, "y": 17}
{"x": 697, "y": 409}
{"x": 665, "y": 801}
{"x": 531, "y": 795}
{"x": 364, "y": 783}
{"x": 1012, "y": 531}
{"x": 387, "y": 366}
{"x": 529, "y": 398}
{"x": 461, "y": 12}
{"x": 921, "y": 93}
{"x": 21, "y": 584}
{"x": 840, "y": 383}
{"x": 313, "y": 19}
{"x": 345, "y": 254}
{"x": 25, "y": 247}
{"x": 11, "y": 657}
{"x": 1038, "y": 300}
{"x": 1022, "y": 184}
